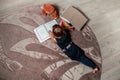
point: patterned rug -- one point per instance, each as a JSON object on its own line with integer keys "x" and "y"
{"x": 23, "y": 57}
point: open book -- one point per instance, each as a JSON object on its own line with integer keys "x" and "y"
{"x": 42, "y": 31}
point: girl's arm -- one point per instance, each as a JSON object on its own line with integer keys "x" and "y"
{"x": 52, "y": 36}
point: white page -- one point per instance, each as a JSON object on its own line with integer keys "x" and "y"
{"x": 50, "y": 24}
{"x": 42, "y": 33}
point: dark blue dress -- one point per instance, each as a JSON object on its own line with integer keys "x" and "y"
{"x": 73, "y": 51}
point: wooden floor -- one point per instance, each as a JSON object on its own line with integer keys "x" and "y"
{"x": 104, "y": 18}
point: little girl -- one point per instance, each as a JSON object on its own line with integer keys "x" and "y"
{"x": 61, "y": 38}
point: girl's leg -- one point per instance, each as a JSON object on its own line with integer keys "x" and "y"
{"x": 85, "y": 60}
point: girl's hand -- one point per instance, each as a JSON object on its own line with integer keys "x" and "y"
{"x": 50, "y": 32}
{"x": 52, "y": 36}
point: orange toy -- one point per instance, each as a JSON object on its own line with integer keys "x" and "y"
{"x": 48, "y": 9}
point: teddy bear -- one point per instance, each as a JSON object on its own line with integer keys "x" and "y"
{"x": 49, "y": 9}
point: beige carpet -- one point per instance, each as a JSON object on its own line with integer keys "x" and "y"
{"x": 22, "y": 57}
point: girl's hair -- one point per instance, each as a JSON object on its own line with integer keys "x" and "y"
{"x": 58, "y": 31}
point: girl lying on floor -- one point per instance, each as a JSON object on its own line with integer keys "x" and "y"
{"x": 63, "y": 40}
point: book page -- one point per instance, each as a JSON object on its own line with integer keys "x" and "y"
{"x": 41, "y": 33}
{"x": 49, "y": 25}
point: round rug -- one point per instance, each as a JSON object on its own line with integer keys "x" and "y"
{"x": 23, "y": 57}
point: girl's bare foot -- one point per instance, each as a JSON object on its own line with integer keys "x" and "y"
{"x": 95, "y": 70}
